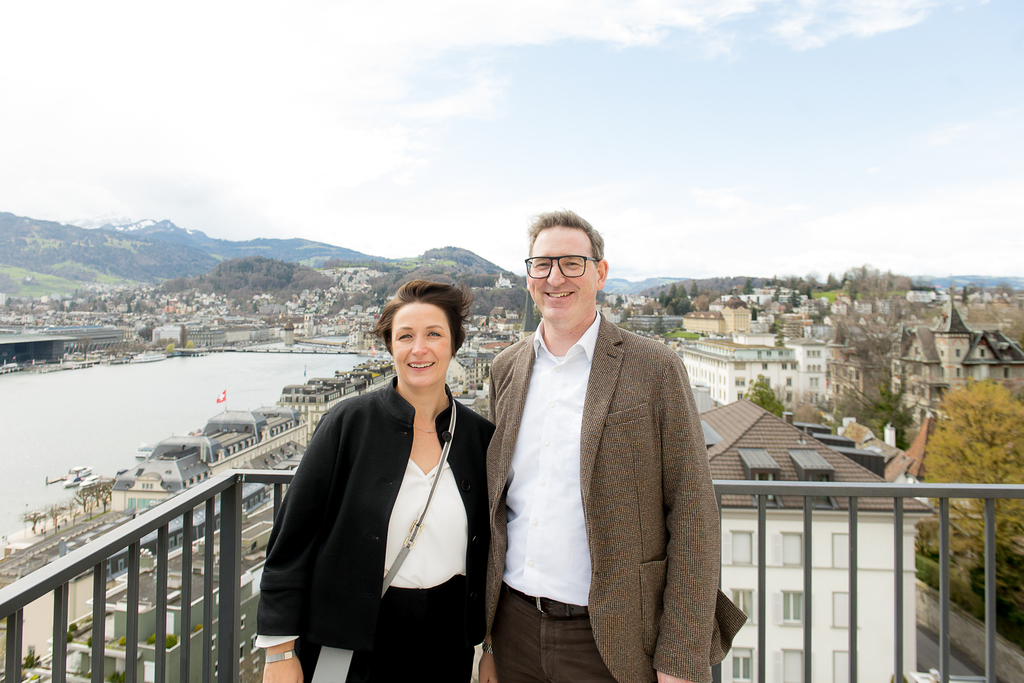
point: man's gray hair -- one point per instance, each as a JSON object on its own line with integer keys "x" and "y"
{"x": 566, "y": 219}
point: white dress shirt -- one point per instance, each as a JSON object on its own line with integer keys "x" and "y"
{"x": 547, "y": 552}
{"x": 440, "y": 550}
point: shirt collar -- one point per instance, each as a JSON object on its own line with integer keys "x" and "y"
{"x": 585, "y": 344}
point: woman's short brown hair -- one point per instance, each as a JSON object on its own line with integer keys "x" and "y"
{"x": 454, "y": 300}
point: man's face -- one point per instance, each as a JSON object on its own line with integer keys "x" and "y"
{"x": 567, "y": 303}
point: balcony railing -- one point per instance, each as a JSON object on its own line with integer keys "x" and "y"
{"x": 57, "y": 576}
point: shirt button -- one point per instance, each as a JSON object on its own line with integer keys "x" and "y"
{"x": 547, "y": 443}
{"x": 530, "y": 563}
{"x": 558, "y": 368}
{"x": 543, "y": 482}
{"x": 535, "y": 522}
{"x": 554, "y": 404}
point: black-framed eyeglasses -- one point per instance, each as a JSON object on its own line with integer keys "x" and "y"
{"x": 539, "y": 267}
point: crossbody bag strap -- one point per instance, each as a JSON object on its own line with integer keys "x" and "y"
{"x": 417, "y": 525}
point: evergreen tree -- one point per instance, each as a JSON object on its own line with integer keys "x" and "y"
{"x": 693, "y": 290}
{"x": 748, "y": 286}
{"x": 762, "y": 394}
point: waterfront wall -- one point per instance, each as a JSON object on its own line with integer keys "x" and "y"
{"x": 968, "y": 634}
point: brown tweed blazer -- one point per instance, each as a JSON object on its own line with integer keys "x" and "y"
{"x": 649, "y": 505}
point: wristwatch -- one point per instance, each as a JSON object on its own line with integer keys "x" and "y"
{"x": 280, "y": 656}
{"x": 486, "y": 647}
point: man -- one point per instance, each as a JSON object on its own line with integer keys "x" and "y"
{"x": 605, "y": 536}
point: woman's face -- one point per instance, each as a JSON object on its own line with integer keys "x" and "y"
{"x": 421, "y": 344}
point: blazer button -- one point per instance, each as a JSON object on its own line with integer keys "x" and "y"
{"x": 473, "y": 596}
{"x": 465, "y": 484}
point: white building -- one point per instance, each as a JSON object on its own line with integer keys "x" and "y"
{"x": 757, "y": 445}
{"x": 728, "y": 368}
{"x": 810, "y": 356}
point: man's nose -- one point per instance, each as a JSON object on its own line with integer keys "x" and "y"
{"x": 555, "y": 277}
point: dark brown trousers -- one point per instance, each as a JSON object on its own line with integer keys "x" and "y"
{"x": 533, "y": 647}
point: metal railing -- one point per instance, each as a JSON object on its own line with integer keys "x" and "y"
{"x": 56, "y": 577}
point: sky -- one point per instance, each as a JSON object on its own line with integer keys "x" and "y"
{"x": 701, "y": 137}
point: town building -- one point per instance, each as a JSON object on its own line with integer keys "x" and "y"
{"x": 751, "y": 443}
{"x": 734, "y": 316}
{"x": 934, "y": 361}
{"x": 729, "y": 367}
{"x": 258, "y": 439}
{"x": 318, "y": 395}
{"x": 811, "y": 356}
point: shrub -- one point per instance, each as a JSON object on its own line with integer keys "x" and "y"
{"x": 123, "y": 642}
{"x": 151, "y": 640}
{"x": 172, "y": 640}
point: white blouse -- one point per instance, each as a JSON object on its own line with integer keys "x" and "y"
{"x": 440, "y": 550}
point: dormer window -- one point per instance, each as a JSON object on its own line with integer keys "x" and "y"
{"x": 811, "y": 466}
{"x": 759, "y": 465}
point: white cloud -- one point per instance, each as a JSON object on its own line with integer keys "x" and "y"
{"x": 807, "y": 24}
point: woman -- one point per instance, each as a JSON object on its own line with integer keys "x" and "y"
{"x": 364, "y": 479}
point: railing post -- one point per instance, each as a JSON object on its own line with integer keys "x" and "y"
{"x": 131, "y": 636}
{"x": 59, "y": 659}
{"x": 228, "y": 630}
{"x": 990, "y": 589}
{"x": 99, "y": 620}
{"x": 762, "y": 598}
{"x": 208, "y": 533}
{"x": 160, "y": 644}
{"x": 808, "y": 588}
{"x": 944, "y": 596}
{"x": 15, "y": 629}
{"x": 852, "y": 572}
{"x": 185, "y": 653}
{"x": 898, "y": 571}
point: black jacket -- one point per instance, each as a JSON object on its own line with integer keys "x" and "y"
{"x": 325, "y": 559}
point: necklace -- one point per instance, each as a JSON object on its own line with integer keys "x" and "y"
{"x": 428, "y": 431}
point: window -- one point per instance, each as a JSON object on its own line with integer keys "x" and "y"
{"x": 741, "y": 382}
{"x": 744, "y": 599}
{"x": 742, "y": 547}
{"x": 789, "y": 380}
{"x": 840, "y": 667}
{"x": 764, "y": 366}
{"x": 958, "y": 372}
{"x": 841, "y": 610}
{"x": 841, "y": 551}
{"x": 742, "y": 661}
{"x": 789, "y": 397}
{"x": 784, "y": 366}
{"x": 792, "y": 666}
{"x": 792, "y": 607}
{"x": 792, "y": 549}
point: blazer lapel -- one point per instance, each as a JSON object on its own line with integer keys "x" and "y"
{"x": 512, "y": 403}
{"x": 604, "y": 377}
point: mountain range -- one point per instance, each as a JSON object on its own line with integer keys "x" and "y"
{"x": 44, "y": 257}
{"x": 294, "y": 250}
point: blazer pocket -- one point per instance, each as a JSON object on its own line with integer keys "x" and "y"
{"x": 652, "y": 592}
{"x": 627, "y": 415}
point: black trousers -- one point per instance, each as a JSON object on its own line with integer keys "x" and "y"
{"x": 421, "y": 635}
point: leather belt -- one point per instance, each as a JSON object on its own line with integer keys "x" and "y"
{"x": 552, "y": 608}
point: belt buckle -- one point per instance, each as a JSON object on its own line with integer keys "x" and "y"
{"x": 539, "y": 608}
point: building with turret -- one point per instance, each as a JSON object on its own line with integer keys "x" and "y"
{"x": 934, "y": 361}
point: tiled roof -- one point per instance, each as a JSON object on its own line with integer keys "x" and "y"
{"x": 952, "y": 322}
{"x": 745, "y": 425}
{"x": 912, "y": 461}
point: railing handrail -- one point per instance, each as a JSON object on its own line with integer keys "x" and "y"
{"x": 83, "y": 559}
{"x": 868, "y": 489}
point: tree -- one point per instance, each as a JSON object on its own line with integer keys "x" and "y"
{"x": 33, "y": 517}
{"x": 693, "y": 289}
{"x": 762, "y": 394}
{"x": 54, "y": 512}
{"x": 169, "y": 348}
{"x": 981, "y": 440}
{"x": 748, "y": 286}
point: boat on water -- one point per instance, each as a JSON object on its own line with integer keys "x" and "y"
{"x": 71, "y": 482}
{"x": 149, "y": 357}
{"x": 90, "y": 480}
